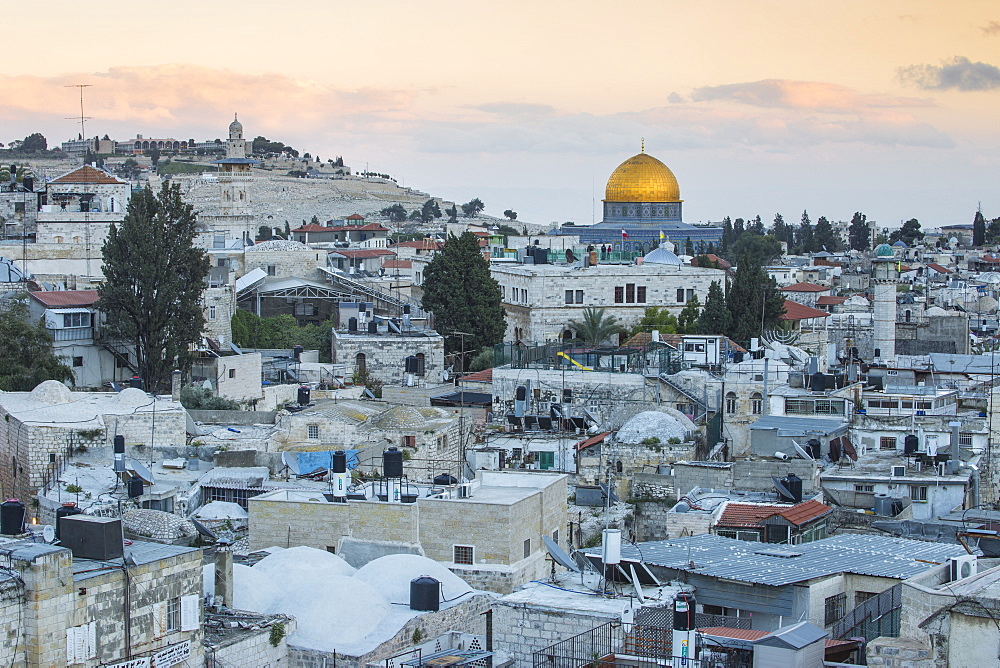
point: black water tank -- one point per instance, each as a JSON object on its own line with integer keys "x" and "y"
{"x": 352, "y": 325}
{"x": 567, "y": 395}
{"x": 304, "y": 394}
{"x": 29, "y": 183}
{"x": 297, "y": 352}
{"x": 815, "y": 448}
{"x": 910, "y": 444}
{"x": 119, "y": 445}
{"x": 818, "y": 382}
{"x": 135, "y": 381}
{"x": 11, "y": 517}
{"x": 339, "y": 462}
{"x": 68, "y": 508}
{"x": 373, "y": 327}
{"x": 684, "y": 617}
{"x": 135, "y": 488}
{"x": 392, "y": 463}
{"x": 445, "y": 479}
{"x": 737, "y": 357}
{"x": 406, "y": 309}
{"x": 521, "y": 393}
{"x": 425, "y": 594}
{"x": 411, "y": 364}
{"x": 793, "y": 484}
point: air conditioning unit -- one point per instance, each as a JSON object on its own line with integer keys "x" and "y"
{"x": 964, "y": 566}
{"x": 465, "y": 491}
{"x": 898, "y": 471}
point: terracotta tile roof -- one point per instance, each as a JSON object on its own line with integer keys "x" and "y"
{"x": 65, "y": 298}
{"x": 593, "y": 440}
{"x": 87, "y": 174}
{"x": 939, "y": 269}
{"x": 313, "y": 227}
{"x": 368, "y": 227}
{"x": 355, "y": 216}
{"x": 712, "y": 257}
{"x": 751, "y": 516}
{"x": 737, "y": 634}
{"x": 830, "y": 300}
{"x": 423, "y": 244}
{"x": 397, "y": 264}
{"x": 484, "y": 376}
{"x": 364, "y": 252}
{"x": 796, "y": 311}
{"x": 804, "y": 287}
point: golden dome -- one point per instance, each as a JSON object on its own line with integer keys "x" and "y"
{"x": 642, "y": 178}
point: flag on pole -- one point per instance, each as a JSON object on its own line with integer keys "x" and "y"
{"x": 624, "y": 234}
{"x": 662, "y": 236}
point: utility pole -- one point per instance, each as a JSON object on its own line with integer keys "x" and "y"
{"x": 461, "y": 408}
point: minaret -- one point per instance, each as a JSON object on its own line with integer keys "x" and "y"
{"x": 885, "y": 275}
{"x": 235, "y": 176}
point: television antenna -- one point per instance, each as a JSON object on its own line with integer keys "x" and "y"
{"x": 83, "y": 132}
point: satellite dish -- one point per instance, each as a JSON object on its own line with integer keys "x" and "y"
{"x": 203, "y": 530}
{"x": 207, "y": 384}
{"x": 559, "y": 555}
{"x": 291, "y": 461}
{"x": 140, "y": 470}
{"x": 803, "y": 453}
{"x": 48, "y": 533}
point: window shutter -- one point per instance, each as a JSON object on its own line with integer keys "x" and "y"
{"x": 189, "y": 612}
{"x": 159, "y": 619}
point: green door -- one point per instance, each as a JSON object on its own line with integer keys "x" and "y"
{"x": 546, "y": 460}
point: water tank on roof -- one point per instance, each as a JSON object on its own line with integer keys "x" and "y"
{"x": 392, "y": 463}
{"x": 304, "y": 394}
{"x": 910, "y": 444}
{"x": 352, "y": 325}
{"x": 445, "y": 479}
{"x": 818, "y": 382}
{"x": 883, "y": 505}
{"x": 297, "y": 352}
{"x": 684, "y": 611}
{"x": 135, "y": 381}
{"x": 793, "y": 484}
{"x": 11, "y": 517}
{"x": 135, "y": 488}
{"x": 339, "y": 464}
{"x": 425, "y": 594}
{"x": 372, "y": 327}
{"x": 68, "y": 508}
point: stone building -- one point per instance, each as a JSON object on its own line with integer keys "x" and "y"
{"x": 283, "y": 259}
{"x": 541, "y": 299}
{"x": 44, "y": 428}
{"x": 383, "y": 354}
{"x": 64, "y": 610}
{"x": 491, "y": 536}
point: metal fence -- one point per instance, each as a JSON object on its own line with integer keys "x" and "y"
{"x": 878, "y": 616}
{"x": 649, "y": 359}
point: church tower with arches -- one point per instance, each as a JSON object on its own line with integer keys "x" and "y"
{"x": 235, "y": 178}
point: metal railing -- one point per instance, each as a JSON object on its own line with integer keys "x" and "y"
{"x": 878, "y": 616}
{"x": 72, "y": 334}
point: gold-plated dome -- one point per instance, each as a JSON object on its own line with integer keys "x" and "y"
{"x": 642, "y": 178}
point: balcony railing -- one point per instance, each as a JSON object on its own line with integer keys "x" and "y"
{"x": 72, "y": 334}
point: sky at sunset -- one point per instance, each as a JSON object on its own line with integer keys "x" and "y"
{"x": 887, "y": 107}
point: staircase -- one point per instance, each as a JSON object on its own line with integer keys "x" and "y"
{"x": 701, "y": 403}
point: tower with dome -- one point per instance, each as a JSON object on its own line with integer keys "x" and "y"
{"x": 885, "y": 276}
{"x": 235, "y": 177}
{"x": 643, "y": 199}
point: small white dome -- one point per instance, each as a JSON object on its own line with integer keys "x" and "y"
{"x": 252, "y": 590}
{"x": 133, "y": 396}
{"x": 654, "y": 424}
{"x": 302, "y": 563}
{"x": 661, "y": 256}
{"x": 331, "y": 612}
{"x": 391, "y": 576}
{"x": 51, "y": 392}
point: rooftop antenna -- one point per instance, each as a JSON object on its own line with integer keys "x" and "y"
{"x": 83, "y": 131}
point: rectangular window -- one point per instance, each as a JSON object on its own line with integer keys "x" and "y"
{"x": 77, "y": 361}
{"x": 680, "y": 295}
{"x": 173, "y": 614}
{"x": 630, "y": 293}
{"x": 211, "y": 313}
{"x": 76, "y": 320}
{"x": 690, "y": 295}
{"x": 271, "y": 269}
{"x": 464, "y": 554}
{"x": 619, "y": 294}
{"x": 569, "y": 296}
{"x": 579, "y": 296}
{"x": 527, "y": 548}
{"x": 555, "y": 536}
{"x": 864, "y": 489}
{"x": 887, "y": 443}
{"x": 313, "y": 430}
{"x": 918, "y": 492}
{"x": 409, "y": 441}
{"x": 862, "y": 596}
{"x": 640, "y": 294}
{"x": 965, "y": 440}
{"x": 835, "y": 609}
{"x": 232, "y": 373}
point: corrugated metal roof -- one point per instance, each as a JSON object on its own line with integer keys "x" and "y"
{"x": 714, "y": 556}
{"x": 798, "y": 425}
{"x": 796, "y": 636}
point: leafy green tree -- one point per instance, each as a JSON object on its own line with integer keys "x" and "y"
{"x": 728, "y": 235}
{"x": 510, "y": 214}
{"x": 714, "y": 318}
{"x": 979, "y": 229}
{"x": 472, "y": 208}
{"x": 482, "y": 361}
{"x": 429, "y": 211}
{"x": 783, "y": 232}
{"x": 34, "y": 143}
{"x": 687, "y": 321}
{"x": 263, "y": 233}
{"x": 154, "y": 155}
{"x": 28, "y": 357}
{"x": 909, "y": 233}
{"x": 463, "y": 296}
{"x": 153, "y": 279}
{"x": 762, "y": 250}
{"x": 452, "y": 213}
{"x": 993, "y": 231}
{"x": 129, "y": 169}
{"x": 689, "y": 247}
{"x": 395, "y": 213}
{"x": 859, "y": 234}
{"x": 662, "y": 320}
{"x": 756, "y": 226}
{"x": 596, "y": 327}
{"x": 314, "y": 220}
{"x": 824, "y": 238}
{"x": 754, "y": 302}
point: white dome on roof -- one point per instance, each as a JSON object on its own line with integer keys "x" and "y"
{"x": 51, "y": 392}
{"x": 133, "y": 396}
{"x": 661, "y": 256}
{"x": 331, "y": 612}
{"x": 654, "y": 424}
{"x": 302, "y": 563}
{"x": 391, "y": 576}
{"x": 253, "y": 590}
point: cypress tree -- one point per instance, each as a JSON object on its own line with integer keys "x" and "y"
{"x": 153, "y": 280}
{"x": 754, "y": 302}
{"x": 714, "y": 318}
{"x": 463, "y": 297}
{"x": 979, "y": 229}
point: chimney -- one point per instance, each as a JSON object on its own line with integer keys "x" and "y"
{"x": 175, "y": 385}
{"x": 224, "y": 576}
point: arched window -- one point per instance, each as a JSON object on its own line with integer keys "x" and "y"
{"x": 360, "y": 364}
{"x": 730, "y": 402}
{"x": 907, "y": 315}
{"x": 567, "y": 335}
{"x": 756, "y": 403}
{"x": 421, "y": 361}
{"x": 618, "y": 466}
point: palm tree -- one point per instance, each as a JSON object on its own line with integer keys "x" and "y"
{"x": 595, "y": 328}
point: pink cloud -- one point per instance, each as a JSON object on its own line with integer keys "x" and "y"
{"x": 811, "y": 95}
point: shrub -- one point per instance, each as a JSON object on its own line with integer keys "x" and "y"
{"x": 73, "y": 489}
{"x": 198, "y": 398}
{"x": 277, "y": 634}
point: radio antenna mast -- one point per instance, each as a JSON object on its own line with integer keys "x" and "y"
{"x": 83, "y": 131}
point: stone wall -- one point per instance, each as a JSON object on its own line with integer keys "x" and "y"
{"x": 296, "y": 262}
{"x": 520, "y": 629}
{"x": 251, "y": 648}
{"x": 385, "y": 355}
{"x": 745, "y": 476}
{"x": 218, "y": 307}
{"x": 654, "y": 521}
{"x": 233, "y": 417}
